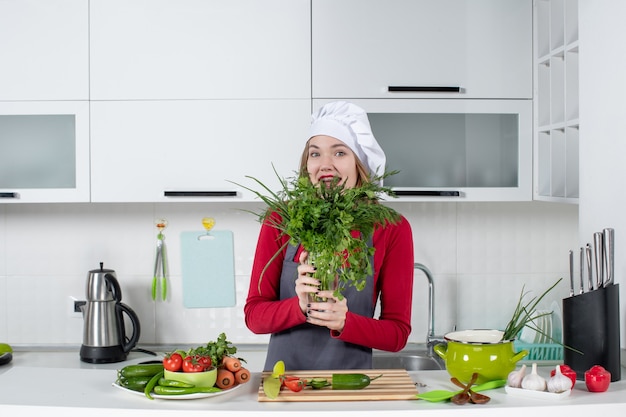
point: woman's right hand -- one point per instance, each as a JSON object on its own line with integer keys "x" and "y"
{"x": 305, "y": 283}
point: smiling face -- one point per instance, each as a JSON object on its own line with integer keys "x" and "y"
{"x": 328, "y": 158}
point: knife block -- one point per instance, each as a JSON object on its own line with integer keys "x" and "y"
{"x": 591, "y": 326}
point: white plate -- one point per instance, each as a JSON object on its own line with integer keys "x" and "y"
{"x": 179, "y": 397}
{"x": 529, "y": 393}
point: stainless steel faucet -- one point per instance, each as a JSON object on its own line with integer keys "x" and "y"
{"x": 431, "y": 339}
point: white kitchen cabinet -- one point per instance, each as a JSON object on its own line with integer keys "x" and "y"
{"x": 424, "y": 48}
{"x": 44, "y": 50}
{"x": 199, "y": 49}
{"x": 189, "y": 150}
{"x": 44, "y": 151}
{"x": 556, "y": 104}
{"x": 454, "y": 150}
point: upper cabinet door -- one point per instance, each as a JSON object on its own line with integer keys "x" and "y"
{"x": 200, "y": 49}
{"x": 44, "y": 50}
{"x": 483, "y": 48}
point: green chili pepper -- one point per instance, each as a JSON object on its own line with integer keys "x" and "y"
{"x": 152, "y": 384}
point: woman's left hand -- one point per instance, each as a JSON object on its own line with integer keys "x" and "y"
{"x": 331, "y": 314}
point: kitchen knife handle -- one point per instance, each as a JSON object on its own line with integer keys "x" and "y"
{"x": 582, "y": 269}
{"x": 571, "y": 273}
{"x": 589, "y": 268}
{"x": 598, "y": 245}
{"x": 423, "y": 89}
{"x": 8, "y": 195}
{"x": 609, "y": 255}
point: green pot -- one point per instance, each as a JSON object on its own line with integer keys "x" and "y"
{"x": 478, "y": 351}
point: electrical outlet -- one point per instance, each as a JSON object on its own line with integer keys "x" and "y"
{"x": 75, "y": 307}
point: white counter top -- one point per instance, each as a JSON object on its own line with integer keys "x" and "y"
{"x": 59, "y": 384}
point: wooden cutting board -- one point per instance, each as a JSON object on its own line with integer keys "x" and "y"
{"x": 395, "y": 384}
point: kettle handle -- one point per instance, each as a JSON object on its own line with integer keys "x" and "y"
{"x": 132, "y": 342}
{"x": 114, "y": 286}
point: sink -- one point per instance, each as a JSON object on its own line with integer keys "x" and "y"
{"x": 408, "y": 362}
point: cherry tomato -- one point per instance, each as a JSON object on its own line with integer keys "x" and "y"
{"x": 294, "y": 384}
{"x": 568, "y": 372}
{"x": 597, "y": 379}
{"x": 191, "y": 364}
{"x": 205, "y": 361}
{"x": 173, "y": 362}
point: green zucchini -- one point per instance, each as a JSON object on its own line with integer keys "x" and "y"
{"x": 164, "y": 390}
{"x": 351, "y": 381}
{"x": 131, "y": 371}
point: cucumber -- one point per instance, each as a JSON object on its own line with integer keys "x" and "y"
{"x": 132, "y": 371}
{"x": 351, "y": 381}
{"x": 136, "y": 383}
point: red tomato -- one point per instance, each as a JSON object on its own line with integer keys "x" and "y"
{"x": 597, "y": 379}
{"x": 568, "y": 372}
{"x": 205, "y": 361}
{"x": 191, "y": 364}
{"x": 294, "y": 384}
{"x": 173, "y": 362}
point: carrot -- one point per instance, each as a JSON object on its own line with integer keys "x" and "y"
{"x": 242, "y": 376}
{"x": 231, "y": 363}
{"x": 225, "y": 378}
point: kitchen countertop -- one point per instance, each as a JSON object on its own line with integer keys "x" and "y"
{"x": 59, "y": 384}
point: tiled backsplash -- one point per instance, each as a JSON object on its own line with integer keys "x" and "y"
{"x": 481, "y": 254}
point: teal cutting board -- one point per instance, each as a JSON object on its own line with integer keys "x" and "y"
{"x": 208, "y": 269}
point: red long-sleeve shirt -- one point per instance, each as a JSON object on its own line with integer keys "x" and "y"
{"x": 393, "y": 281}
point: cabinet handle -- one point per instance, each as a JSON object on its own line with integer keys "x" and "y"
{"x": 423, "y": 193}
{"x": 9, "y": 195}
{"x": 423, "y": 89}
{"x": 200, "y": 193}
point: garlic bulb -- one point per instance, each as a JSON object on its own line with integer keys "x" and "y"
{"x": 559, "y": 382}
{"x": 514, "y": 380}
{"x": 534, "y": 381}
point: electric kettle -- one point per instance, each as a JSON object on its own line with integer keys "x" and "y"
{"x": 104, "y": 335}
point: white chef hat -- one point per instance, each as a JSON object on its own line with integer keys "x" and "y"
{"x": 349, "y": 123}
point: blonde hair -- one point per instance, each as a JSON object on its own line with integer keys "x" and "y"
{"x": 362, "y": 173}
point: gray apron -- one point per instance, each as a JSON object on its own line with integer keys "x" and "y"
{"x": 308, "y": 346}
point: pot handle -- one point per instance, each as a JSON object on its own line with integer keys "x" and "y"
{"x": 441, "y": 349}
{"x": 123, "y": 308}
{"x": 519, "y": 355}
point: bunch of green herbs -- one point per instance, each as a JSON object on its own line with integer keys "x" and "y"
{"x": 322, "y": 218}
{"x": 525, "y": 314}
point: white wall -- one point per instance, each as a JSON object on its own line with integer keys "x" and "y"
{"x": 603, "y": 128}
{"x": 481, "y": 255}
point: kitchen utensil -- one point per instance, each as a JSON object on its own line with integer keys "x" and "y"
{"x": 582, "y": 271}
{"x": 394, "y": 384}
{"x": 474, "y": 397}
{"x": 208, "y": 267}
{"x": 571, "y": 273}
{"x": 463, "y": 396}
{"x": 609, "y": 255}
{"x": 598, "y": 245}
{"x": 160, "y": 263}
{"x": 589, "y": 268}
{"x": 104, "y": 334}
{"x": 478, "y": 351}
{"x": 443, "y": 395}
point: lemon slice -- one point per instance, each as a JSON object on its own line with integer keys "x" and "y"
{"x": 271, "y": 387}
{"x": 279, "y": 369}
{"x": 5, "y": 348}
